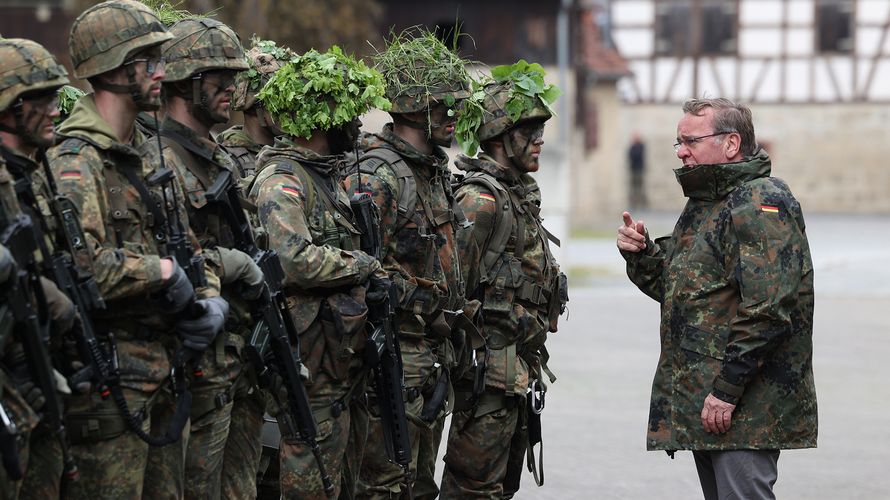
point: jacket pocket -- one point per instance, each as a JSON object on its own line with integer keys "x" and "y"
{"x": 704, "y": 342}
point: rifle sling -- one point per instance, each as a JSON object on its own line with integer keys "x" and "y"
{"x": 160, "y": 219}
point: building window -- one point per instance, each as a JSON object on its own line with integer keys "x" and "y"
{"x": 834, "y": 19}
{"x": 695, "y": 27}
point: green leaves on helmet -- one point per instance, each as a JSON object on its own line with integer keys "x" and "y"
{"x": 514, "y": 93}
{"x": 68, "y": 96}
{"x": 320, "y": 91}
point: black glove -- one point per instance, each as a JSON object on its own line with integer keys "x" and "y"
{"x": 198, "y": 333}
{"x": 378, "y": 289}
{"x": 32, "y": 394}
{"x": 178, "y": 291}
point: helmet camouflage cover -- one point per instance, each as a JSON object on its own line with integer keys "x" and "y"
{"x": 25, "y": 66}
{"x": 265, "y": 58}
{"x": 201, "y": 44}
{"x": 513, "y": 95}
{"x": 321, "y": 91}
{"x": 104, "y": 35}
{"x": 420, "y": 71}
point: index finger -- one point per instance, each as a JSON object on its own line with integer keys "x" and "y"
{"x": 628, "y": 220}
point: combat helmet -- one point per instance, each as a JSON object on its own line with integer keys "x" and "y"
{"x": 421, "y": 71}
{"x": 496, "y": 119}
{"x": 25, "y": 66}
{"x": 201, "y": 44}
{"x": 104, "y": 35}
{"x": 515, "y": 94}
{"x": 265, "y": 57}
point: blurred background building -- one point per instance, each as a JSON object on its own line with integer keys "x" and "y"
{"x": 815, "y": 72}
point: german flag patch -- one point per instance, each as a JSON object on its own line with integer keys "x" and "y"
{"x": 487, "y": 197}
{"x": 769, "y": 208}
{"x": 292, "y": 190}
{"x": 70, "y": 175}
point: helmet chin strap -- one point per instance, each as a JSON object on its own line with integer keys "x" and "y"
{"x": 131, "y": 88}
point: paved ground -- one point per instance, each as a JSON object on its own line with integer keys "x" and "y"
{"x": 605, "y": 355}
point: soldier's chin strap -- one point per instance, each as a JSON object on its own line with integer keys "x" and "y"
{"x": 132, "y": 88}
{"x": 201, "y": 101}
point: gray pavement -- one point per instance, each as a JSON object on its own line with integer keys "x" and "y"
{"x": 605, "y": 355}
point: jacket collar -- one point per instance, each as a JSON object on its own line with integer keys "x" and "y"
{"x": 714, "y": 182}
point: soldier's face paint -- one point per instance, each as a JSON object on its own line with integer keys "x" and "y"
{"x": 218, "y": 86}
{"x": 442, "y": 125}
{"x": 526, "y": 143}
{"x": 39, "y": 112}
{"x": 706, "y": 151}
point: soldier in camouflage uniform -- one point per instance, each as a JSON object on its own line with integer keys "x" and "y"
{"x": 309, "y": 222}
{"x": 29, "y": 83}
{"x": 245, "y": 141}
{"x": 202, "y": 61}
{"x": 734, "y": 381}
{"x": 406, "y": 171}
{"x": 151, "y": 304}
{"x": 519, "y": 285}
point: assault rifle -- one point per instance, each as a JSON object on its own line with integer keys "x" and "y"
{"x": 389, "y": 379}
{"x": 100, "y": 366}
{"x": 20, "y": 237}
{"x": 270, "y": 337}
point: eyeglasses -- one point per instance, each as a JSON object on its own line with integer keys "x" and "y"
{"x": 151, "y": 64}
{"x": 221, "y": 78}
{"x": 691, "y": 141}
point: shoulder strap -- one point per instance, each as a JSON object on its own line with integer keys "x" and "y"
{"x": 373, "y": 159}
{"x": 503, "y": 223}
{"x": 189, "y": 154}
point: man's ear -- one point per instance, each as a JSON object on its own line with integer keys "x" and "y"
{"x": 732, "y": 145}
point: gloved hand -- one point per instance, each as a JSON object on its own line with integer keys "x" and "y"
{"x": 178, "y": 291}
{"x": 240, "y": 267}
{"x": 198, "y": 333}
{"x": 32, "y": 394}
{"x": 378, "y": 289}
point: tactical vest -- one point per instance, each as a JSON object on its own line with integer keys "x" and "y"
{"x": 502, "y": 261}
{"x": 210, "y": 226}
{"x": 371, "y": 161}
{"x": 343, "y": 234}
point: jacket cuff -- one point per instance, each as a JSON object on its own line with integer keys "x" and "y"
{"x": 727, "y": 392}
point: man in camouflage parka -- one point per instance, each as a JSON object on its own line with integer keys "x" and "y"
{"x": 152, "y": 309}
{"x": 202, "y": 60}
{"x": 734, "y": 381}
{"x": 518, "y": 282}
{"x": 307, "y": 217}
{"x": 245, "y": 141}
{"x": 405, "y": 168}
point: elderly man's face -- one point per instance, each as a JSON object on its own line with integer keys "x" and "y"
{"x": 698, "y": 144}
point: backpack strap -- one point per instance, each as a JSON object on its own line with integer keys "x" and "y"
{"x": 373, "y": 159}
{"x": 502, "y": 224}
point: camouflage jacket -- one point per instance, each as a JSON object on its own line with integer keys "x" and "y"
{"x": 419, "y": 249}
{"x": 313, "y": 235}
{"x": 735, "y": 283}
{"x": 516, "y": 290}
{"x": 242, "y": 149}
{"x": 125, "y": 242}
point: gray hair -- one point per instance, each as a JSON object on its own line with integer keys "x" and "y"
{"x": 729, "y": 116}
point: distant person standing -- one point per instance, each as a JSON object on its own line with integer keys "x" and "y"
{"x": 636, "y": 160}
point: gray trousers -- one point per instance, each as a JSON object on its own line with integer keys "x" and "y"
{"x": 737, "y": 474}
